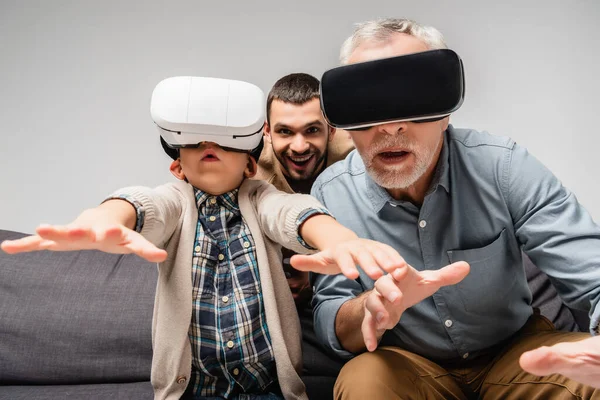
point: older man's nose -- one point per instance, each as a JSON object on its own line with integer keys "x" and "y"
{"x": 393, "y": 128}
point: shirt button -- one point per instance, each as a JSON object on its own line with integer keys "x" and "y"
{"x": 212, "y": 218}
{"x": 230, "y": 344}
{"x": 197, "y": 248}
{"x": 466, "y": 355}
{"x": 213, "y": 201}
{"x": 448, "y": 323}
{"x": 225, "y": 299}
{"x": 246, "y": 244}
{"x": 181, "y": 379}
{"x": 236, "y": 371}
{"x": 221, "y": 257}
{"x": 422, "y": 223}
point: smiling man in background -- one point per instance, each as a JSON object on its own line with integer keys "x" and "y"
{"x": 299, "y": 145}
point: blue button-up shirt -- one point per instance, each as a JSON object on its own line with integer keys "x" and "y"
{"x": 489, "y": 200}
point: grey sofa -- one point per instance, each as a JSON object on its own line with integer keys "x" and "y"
{"x": 76, "y": 325}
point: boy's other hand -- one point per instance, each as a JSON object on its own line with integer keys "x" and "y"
{"x": 110, "y": 238}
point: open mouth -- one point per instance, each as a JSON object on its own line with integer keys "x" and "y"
{"x": 300, "y": 161}
{"x": 393, "y": 156}
{"x": 209, "y": 155}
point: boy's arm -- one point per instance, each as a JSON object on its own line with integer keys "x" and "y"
{"x": 322, "y": 231}
{"x": 280, "y": 215}
{"x": 107, "y": 228}
{"x": 132, "y": 220}
{"x": 116, "y": 211}
{"x": 158, "y": 210}
{"x": 300, "y": 222}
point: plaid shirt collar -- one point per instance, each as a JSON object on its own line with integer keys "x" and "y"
{"x": 228, "y": 200}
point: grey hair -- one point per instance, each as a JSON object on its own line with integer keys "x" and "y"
{"x": 382, "y": 30}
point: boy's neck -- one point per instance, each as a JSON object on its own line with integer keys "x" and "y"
{"x": 212, "y": 192}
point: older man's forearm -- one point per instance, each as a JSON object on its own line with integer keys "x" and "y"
{"x": 348, "y": 322}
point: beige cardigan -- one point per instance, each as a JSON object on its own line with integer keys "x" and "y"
{"x": 171, "y": 216}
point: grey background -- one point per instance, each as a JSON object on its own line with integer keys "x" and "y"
{"x": 76, "y": 79}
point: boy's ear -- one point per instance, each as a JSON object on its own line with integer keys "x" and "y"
{"x": 267, "y": 132}
{"x": 176, "y": 170}
{"x": 251, "y": 168}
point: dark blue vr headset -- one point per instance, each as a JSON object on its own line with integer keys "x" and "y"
{"x": 418, "y": 87}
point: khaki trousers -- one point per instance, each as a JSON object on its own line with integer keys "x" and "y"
{"x": 392, "y": 373}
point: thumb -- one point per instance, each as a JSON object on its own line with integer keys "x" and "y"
{"x": 449, "y": 275}
{"x": 153, "y": 254}
{"x": 303, "y": 262}
{"x": 541, "y": 361}
{"x": 369, "y": 331}
{"x": 141, "y": 246}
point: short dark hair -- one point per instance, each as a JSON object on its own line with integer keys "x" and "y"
{"x": 297, "y": 88}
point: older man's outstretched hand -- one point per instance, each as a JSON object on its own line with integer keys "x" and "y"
{"x": 579, "y": 361}
{"x": 399, "y": 290}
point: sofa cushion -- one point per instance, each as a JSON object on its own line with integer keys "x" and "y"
{"x": 112, "y": 391}
{"x": 74, "y": 317}
{"x": 317, "y": 387}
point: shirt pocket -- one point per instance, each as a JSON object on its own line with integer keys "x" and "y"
{"x": 490, "y": 278}
{"x": 203, "y": 274}
{"x": 242, "y": 252}
{"x": 259, "y": 368}
{"x": 249, "y": 302}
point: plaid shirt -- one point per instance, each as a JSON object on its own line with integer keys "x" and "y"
{"x": 231, "y": 347}
{"x": 229, "y": 335}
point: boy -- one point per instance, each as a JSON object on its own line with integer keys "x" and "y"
{"x": 224, "y": 322}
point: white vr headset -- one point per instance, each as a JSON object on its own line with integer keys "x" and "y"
{"x": 190, "y": 110}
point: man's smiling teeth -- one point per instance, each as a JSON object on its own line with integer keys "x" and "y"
{"x": 301, "y": 158}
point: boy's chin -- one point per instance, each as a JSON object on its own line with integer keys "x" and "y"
{"x": 214, "y": 187}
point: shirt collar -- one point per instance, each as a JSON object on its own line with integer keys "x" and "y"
{"x": 379, "y": 196}
{"x": 441, "y": 175}
{"x": 228, "y": 200}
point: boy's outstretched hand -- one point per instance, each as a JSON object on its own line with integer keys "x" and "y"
{"x": 373, "y": 257}
{"x": 87, "y": 233}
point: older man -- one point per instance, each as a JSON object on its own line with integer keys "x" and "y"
{"x": 438, "y": 194}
